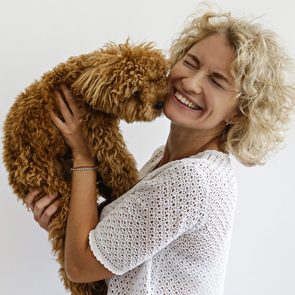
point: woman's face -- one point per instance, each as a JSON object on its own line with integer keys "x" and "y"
{"x": 202, "y": 95}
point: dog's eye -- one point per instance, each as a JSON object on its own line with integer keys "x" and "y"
{"x": 136, "y": 94}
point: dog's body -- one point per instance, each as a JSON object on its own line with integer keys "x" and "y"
{"x": 117, "y": 82}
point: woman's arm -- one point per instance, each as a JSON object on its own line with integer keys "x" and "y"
{"x": 80, "y": 264}
{"x": 43, "y": 210}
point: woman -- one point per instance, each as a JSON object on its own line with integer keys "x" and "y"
{"x": 170, "y": 234}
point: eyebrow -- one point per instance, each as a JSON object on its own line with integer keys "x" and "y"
{"x": 215, "y": 74}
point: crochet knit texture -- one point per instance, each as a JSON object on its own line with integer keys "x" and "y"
{"x": 170, "y": 234}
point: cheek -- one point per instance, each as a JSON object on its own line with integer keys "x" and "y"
{"x": 174, "y": 74}
{"x": 233, "y": 108}
{"x": 167, "y": 109}
{"x": 170, "y": 82}
{"x": 228, "y": 112}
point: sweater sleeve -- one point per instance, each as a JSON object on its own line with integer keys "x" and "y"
{"x": 152, "y": 214}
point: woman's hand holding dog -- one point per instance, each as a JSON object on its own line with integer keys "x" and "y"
{"x": 71, "y": 127}
{"x": 46, "y": 206}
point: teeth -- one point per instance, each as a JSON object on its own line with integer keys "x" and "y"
{"x": 186, "y": 102}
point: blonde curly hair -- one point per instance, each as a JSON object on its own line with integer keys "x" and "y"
{"x": 265, "y": 93}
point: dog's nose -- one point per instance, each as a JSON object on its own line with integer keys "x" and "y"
{"x": 159, "y": 105}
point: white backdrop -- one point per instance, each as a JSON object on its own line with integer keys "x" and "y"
{"x": 36, "y": 35}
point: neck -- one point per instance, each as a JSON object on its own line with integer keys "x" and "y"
{"x": 185, "y": 143}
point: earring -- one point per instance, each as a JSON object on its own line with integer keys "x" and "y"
{"x": 228, "y": 123}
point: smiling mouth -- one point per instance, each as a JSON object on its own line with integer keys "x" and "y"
{"x": 186, "y": 102}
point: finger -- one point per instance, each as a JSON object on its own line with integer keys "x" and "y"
{"x": 41, "y": 205}
{"x": 64, "y": 109}
{"x": 48, "y": 213}
{"x": 70, "y": 99}
{"x": 30, "y": 197}
{"x": 57, "y": 121}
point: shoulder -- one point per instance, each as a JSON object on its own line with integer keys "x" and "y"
{"x": 213, "y": 162}
{"x": 209, "y": 170}
{"x": 203, "y": 168}
{"x": 152, "y": 162}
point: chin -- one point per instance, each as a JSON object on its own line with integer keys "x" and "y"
{"x": 175, "y": 118}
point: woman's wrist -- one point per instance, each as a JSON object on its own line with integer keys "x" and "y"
{"x": 84, "y": 160}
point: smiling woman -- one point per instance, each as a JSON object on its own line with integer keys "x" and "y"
{"x": 257, "y": 76}
{"x": 202, "y": 89}
{"x": 171, "y": 233}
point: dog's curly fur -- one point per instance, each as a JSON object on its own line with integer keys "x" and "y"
{"x": 116, "y": 82}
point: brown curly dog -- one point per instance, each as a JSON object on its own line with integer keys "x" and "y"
{"x": 116, "y": 82}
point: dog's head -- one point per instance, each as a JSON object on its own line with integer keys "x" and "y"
{"x": 127, "y": 81}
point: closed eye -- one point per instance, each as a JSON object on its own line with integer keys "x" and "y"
{"x": 214, "y": 81}
{"x": 187, "y": 63}
{"x": 192, "y": 60}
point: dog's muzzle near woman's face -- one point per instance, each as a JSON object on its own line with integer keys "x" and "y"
{"x": 159, "y": 105}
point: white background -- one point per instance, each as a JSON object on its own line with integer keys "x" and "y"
{"x": 36, "y": 35}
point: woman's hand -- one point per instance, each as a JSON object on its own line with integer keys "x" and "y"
{"x": 44, "y": 208}
{"x": 71, "y": 126}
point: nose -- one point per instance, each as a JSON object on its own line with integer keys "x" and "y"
{"x": 193, "y": 83}
{"x": 159, "y": 105}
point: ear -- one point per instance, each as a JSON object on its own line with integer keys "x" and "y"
{"x": 236, "y": 117}
{"x": 232, "y": 120}
{"x": 96, "y": 83}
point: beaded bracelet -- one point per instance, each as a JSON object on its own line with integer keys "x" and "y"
{"x": 84, "y": 168}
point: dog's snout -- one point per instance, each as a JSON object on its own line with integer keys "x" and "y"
{"x": 136, "y": 94}
{"x": 159, "y": 105}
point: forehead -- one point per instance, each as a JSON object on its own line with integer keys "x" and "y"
{"x": 215, "y": 52}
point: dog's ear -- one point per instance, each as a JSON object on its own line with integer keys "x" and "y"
{"x": 107, "y": 77}
{"x": 96, "y": 81}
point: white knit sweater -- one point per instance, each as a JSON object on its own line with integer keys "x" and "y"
{"x": 170, "y": 234}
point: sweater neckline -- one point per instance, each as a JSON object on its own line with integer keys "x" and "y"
{"x": 198, "y": 155}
